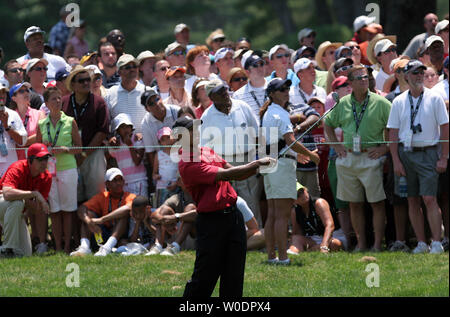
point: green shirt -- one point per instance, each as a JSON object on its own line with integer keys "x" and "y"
{"x": 373, "y": 123}
{"x": 321, "y": 79}
{"x": 64, "y": 161}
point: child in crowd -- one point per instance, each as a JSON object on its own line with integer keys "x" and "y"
{"x": 164, "y": 167}
{"x": 129, "y": 156}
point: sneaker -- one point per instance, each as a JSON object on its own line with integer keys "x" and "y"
{"x": 272, "y": 261}
{"x": 422, "y": 247}
{"x": 41, "y": 248}
{"x": 399, "y": 246}
{"x": 7, "y": 253}
{"x": 445, "y": 244}
{"x": 436, "y": 247}
{"x": 103, "y": 251}
{"x": 289, "y": 251}
{"x": 81, "y": 251}
{"x": 156, "y": 249}
{"x": 170, "y": 250}
{"x": 284, "y": 262}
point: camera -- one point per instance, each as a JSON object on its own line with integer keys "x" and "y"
{"x": 417, "y": 128}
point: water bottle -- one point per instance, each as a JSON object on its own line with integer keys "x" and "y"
{"x": 403, "y": 187}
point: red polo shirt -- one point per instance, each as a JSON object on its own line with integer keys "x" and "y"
{"x": 199, "y": 177}
{"x": 18, "y": 176}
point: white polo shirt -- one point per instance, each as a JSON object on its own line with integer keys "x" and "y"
{"x": 252, "y": 96}
{"x": 151, "y": 125}
{"x": 442, "y": 89}
{"x": 295, "y": 94}
{"x": 120, "y": 100}
{"x": 229, "y": 134}
{"x": 276, "y": 123}
{"x": 431, "y": 115}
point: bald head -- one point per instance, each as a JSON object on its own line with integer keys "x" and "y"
{"x": 429, "y": 22}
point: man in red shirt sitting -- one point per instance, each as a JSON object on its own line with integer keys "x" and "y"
{"x": 25, "y": 185}
{"x": 221, "y": 238}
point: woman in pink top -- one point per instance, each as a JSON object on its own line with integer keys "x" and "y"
{"x": 77, "y": 46}
{"x": 30, "y": 118}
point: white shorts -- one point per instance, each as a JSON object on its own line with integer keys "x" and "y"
{"x": 63, "y": 193}
{"x": 281, "y": 184}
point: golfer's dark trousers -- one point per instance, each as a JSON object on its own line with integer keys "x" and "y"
{"x": 221, "y": 249}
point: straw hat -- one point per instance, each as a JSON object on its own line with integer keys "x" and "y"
{"x": 370, "y": 48}
{"x": 322, "y": 48}
{"x": 75, "y": 71}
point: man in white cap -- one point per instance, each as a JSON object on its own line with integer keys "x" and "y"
{"x": 224, "y": 61}
{"x": 182, "y": 35}
{"x": 279, "y": 58}
{"x": 306, "y": 37}
{"x": 100, "y": 205}
{"x": 429, "y": 23}
{"x": 435, "y": 48}
{"x": 305, "y": 90}
{"x": 385, "y": 52}
{"x": 34, "y": 41}
{"x": 146, "y": 60}
{"x": 442, "y": 31}
{"x": 254, "y": 92}
{"x": 417, "y": 123}
{"x": 175, "y": 54}
{"x": 126, "y": 97}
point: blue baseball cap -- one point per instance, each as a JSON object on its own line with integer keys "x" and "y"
{"x": 16, "y": 87}
{"x": 61, "y": 74}
{"x": 277, "y": 83}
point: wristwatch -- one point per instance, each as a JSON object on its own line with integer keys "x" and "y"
{"x": 324, "y": 247}
{"x": 177, "y": 215}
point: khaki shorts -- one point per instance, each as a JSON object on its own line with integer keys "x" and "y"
{"x": 281, "y": 184}
{"x": 357, "y": 174}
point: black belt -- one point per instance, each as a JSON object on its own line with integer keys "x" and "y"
{"x": 224, "y": 211}
{"x": 421, "y": 148}
{"x": 289, "y": 157}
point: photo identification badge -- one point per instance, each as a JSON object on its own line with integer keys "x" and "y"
{"x": 407, "y": 144}
{"x": 356, "y": 144}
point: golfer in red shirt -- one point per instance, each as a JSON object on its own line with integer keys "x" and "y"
{"x": 221, "y": 243}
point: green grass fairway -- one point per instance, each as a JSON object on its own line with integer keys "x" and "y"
{"x": 310, "y": 274}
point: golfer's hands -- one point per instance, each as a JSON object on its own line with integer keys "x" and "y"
{"x": 266, "y": 161}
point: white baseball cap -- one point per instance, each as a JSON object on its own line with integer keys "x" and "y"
{"x": 301, "y": 64}
{"x": 121, "y": 118}
{"x": 180, "y": 27}
{"x": 440, "y": 26}
{"x": 432, "y": 39}
{"x": 112, "y": 173}
{"x": 93, "y": 70}
{"x": 32, "y": 30}
{"x": 276, "y": 48}
{"x": 382, "y": 46}
{"x": 362, "y": 21}
{"x": 221, "y": 53}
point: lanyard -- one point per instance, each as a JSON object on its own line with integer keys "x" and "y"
{"x": 303, "y": 95}
{"x": 358, "y": 120}
{"x": 75, "y": 112}
{"x": 2, "y": 130}
{"x": 53, "y": 143}
{"x": 110, "y": 206}
{"x": 256, "y": 99}
{"x": 25, "y": 123}
{"x": 416, "y": 110}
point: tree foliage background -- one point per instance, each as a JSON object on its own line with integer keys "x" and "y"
{"x": 149, "y": 24}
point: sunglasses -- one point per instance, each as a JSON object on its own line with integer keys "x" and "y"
{"x": 23, "y": 90}
{"x": 239, "y": 79}
{"x": 220, "y": 39}
{"x": 344, "y": 68}
{"x": 342, "y": 86}
{"x": 354, "y": 46}
{"x": 390, "y": 50}
{"x": 418, "y": 72}
{"x": 362, "y": 77}
{"x": 178, "y": 53}
{"x": 259, "y": 64}
{"x": 284, "y": 88}
{"x": 128, "y": 67}
{"x": 308, "y": 55}
{"x": 16, "y": 70}
{"x": 154, "y": 102}
{"x": 83, "y": 80}
{"x": 278, "y": 56}
{"x": 42, "y": 159}
{"x": 38, "y": 69}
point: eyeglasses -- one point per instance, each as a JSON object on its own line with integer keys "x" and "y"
{"x": 342, "y": 86}
{"x": 259, "y": 64}
{"x": 362, "y": 77}
{"x": 83, "y": 80}
{"x": 128, "y": 67}
{"x": 239, "y": 79}
{"x": 178, "y": 53}
{"x": 308, "y": 55}
{"x": 278, "y": 56}
{"x": 353, "y": 47}
{"x": 16, "y": 70}
{"x": 418, "y": 72}
{"x": 42, "y": 159}
{"x": 39, "y": 69}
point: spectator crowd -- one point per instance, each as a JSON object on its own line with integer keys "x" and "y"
{"x": 359, "y": 129}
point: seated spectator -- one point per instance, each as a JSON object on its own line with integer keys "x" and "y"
{"x": 140, "y": 227}
{"x": 164, "y": 167}
{"x": 177, "y": 93}
{"x": 200, "y": 101}
{"x": 313, "y": 225}
{"x": 236, "y": 79}
{"x": 24, "y": 186}
{"x": 129, "y": 155}
{"x": 101, "y": 205}
{"x": 174, "y": 221}
{"x": 255, "y": 235}
{"x": 60, "y": 133}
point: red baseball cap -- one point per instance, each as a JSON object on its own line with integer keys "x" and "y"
{"x": 38, "y": 150}
{"x": 338, "y": 82}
